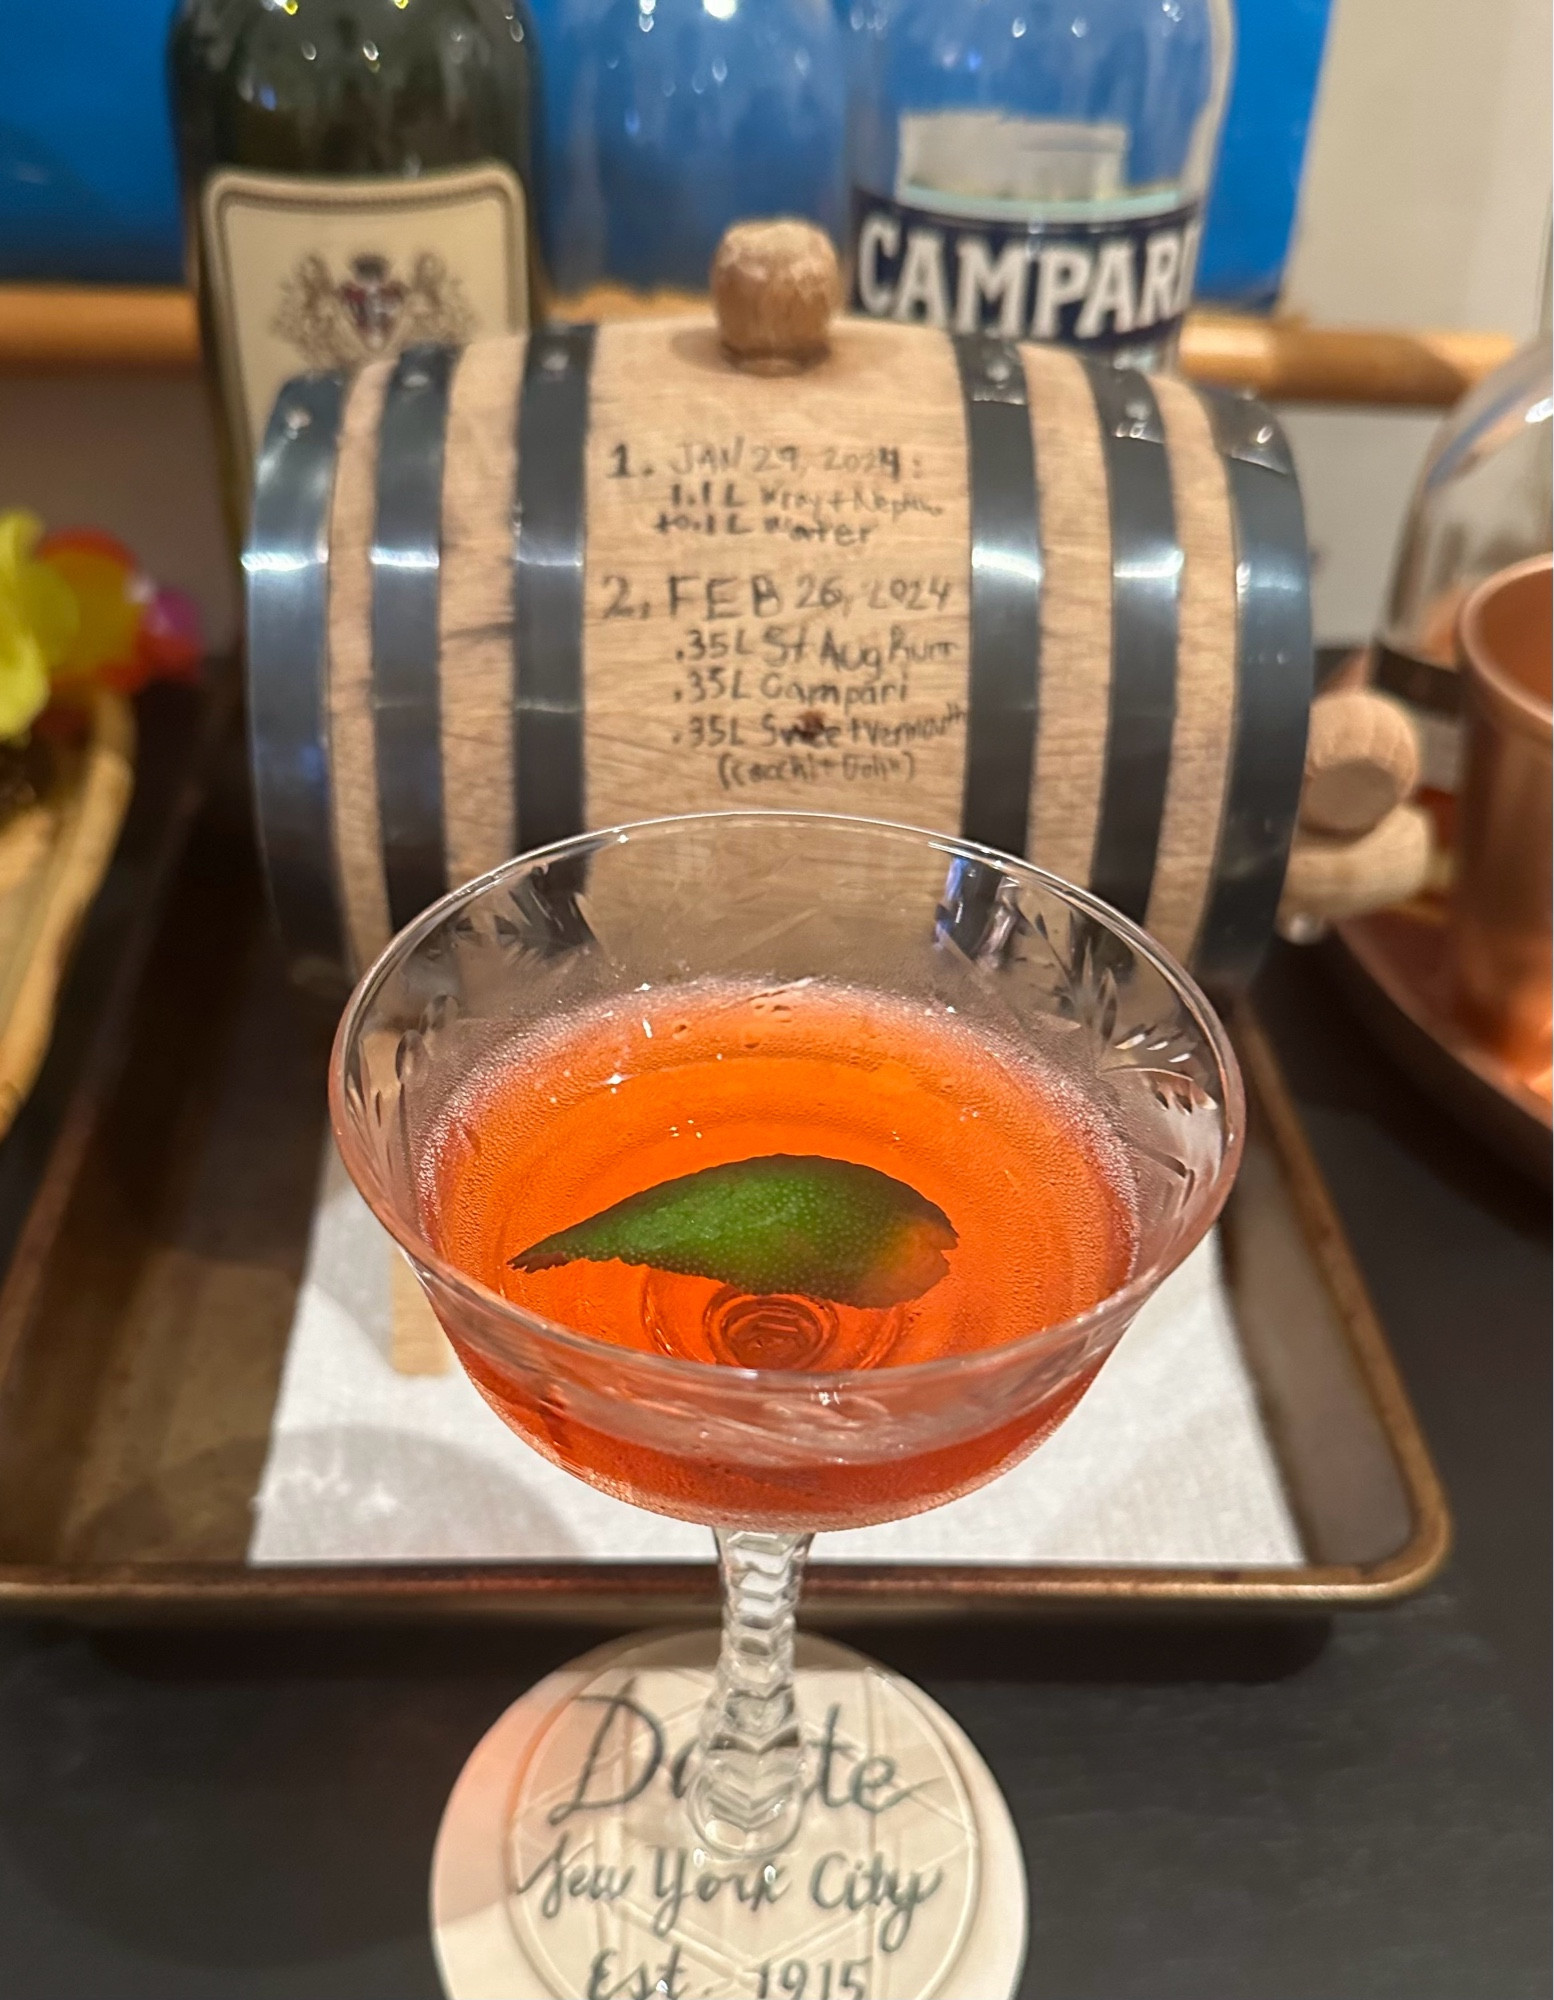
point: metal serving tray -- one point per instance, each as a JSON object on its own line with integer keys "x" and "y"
{"x": 145, "y": 1311}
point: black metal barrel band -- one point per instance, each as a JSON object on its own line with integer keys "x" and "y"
{"x": 1004, "y": 676}
{"x": 406, "y": 561}
{"x": 1146, "y": 589}
{"x": 1274, "y": 685}
{"x": 286, "y": 566}
{"x": 549, "y": 543}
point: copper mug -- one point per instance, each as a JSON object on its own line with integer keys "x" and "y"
{"x": 1500, "y": 920}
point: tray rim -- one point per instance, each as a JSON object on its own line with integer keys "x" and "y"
{"x": 61, "y": 888}
{"x": 660, "y": 1593}
{"x": 1482, "y": 1093}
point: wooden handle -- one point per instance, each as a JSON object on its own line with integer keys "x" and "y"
{"x": 1362, "y": 760}
{"x": 97, "y": 326}
{"x": 127, "y": 326}
{"x": 417, "y": 1345}
{"x": 1329, "y": 878}
{"x": 1287, "y": 361}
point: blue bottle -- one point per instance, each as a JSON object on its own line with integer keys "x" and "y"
{"x": 1035, "y": 167}
{"x": 663, "y": 121}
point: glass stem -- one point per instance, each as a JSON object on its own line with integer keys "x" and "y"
{"x": 748, "y": 1791}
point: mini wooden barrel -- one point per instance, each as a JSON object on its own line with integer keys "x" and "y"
{"x": 501, "y": 595}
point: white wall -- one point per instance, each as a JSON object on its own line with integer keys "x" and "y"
{"x": 1425, "y": 202}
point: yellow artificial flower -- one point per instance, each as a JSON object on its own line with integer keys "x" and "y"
{"x": 38, "y": 618}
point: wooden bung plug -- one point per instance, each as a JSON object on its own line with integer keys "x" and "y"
{"x": 775, "y": 286}
{"x": 1330, "y": 877}
{"x": 1362, "y": 760}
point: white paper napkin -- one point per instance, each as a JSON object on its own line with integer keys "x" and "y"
{"x": 1164, "y": 1462}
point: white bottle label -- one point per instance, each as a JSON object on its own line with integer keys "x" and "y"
{"x": 308, "y": 273}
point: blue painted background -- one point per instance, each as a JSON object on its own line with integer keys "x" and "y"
{"x": 1252, "y": 208}
{"x": 88, "y": 191}
{"x": 87, "y": 185}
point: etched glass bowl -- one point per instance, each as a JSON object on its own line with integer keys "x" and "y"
{"x": 769, "y": 897}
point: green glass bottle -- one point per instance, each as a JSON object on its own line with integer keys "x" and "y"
{"x": 356, "y": 176}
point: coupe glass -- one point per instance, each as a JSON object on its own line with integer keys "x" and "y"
{"x": 766, "y": 1456}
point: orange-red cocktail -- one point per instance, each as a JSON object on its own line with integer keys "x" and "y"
{"x": 1026, "y": 1189}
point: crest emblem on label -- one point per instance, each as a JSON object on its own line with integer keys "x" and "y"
{"x": 340, "y": 319}
{"x": 311, "y": 273}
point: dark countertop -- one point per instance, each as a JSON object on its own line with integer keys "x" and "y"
{"x": 1244, "y": 1813}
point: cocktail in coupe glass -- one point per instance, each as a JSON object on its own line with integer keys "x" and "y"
{"x": 780, "y": 1172}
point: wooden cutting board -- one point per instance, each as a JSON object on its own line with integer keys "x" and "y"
{"x": 53, "y": 856}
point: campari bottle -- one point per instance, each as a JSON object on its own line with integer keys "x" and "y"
{"x": 1035, "y": 168}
